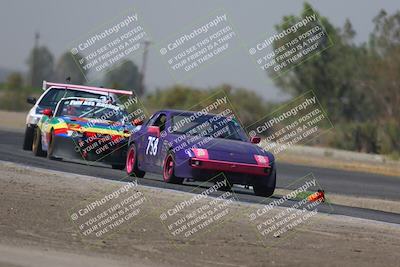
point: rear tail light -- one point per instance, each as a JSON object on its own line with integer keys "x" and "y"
{"x": 262, "y": 160}
{"x": 200, "y": 153}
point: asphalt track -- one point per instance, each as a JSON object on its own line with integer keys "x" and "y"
{"x": 332, "y": 181}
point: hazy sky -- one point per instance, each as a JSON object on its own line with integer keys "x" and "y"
{"x": 62, "y": 22}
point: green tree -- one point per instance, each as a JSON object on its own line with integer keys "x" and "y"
{"x": 332, "y": 74}
{"x": 175, "y": 97}
{"x": 15, "y": 93}
{"x": 41, "y": 64}
{"x": 67, "y": 67}
{"x": 247, "y": 105}
{"x": 125, "y": 76}
{"x": 15, "y": 81}
{"x": 358, "y": 85}
{"x": 383, "y": 81}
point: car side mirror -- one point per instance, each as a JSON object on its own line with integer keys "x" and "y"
{"x": 154, "y": 130}
{"x": 255, "y": 139}
{"x": 48, "y": 112}
{"x": 31, "y": 100}
{"x": 137, "y": 122}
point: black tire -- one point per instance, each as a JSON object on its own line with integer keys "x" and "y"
{"x": 118, "y": 167}
{"x": 228, "y": 186}
{"x": 131, "y": 163}
{"x": 28, "y": 139}
{"x": 265, "y": 189}
{"x": 50, "y": 149}
{"x": 37, "y": 144}
{"x": 169, "y": 170}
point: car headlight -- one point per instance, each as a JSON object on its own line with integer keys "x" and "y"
{"x": 262, "y": 160}
{"x": 200, "y": 153}
{"x": 33, "y": 119}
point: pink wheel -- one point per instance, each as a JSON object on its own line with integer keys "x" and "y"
{"x": 169, "y": 170}
{"x": 132, "y": 164}
{"x": 130, "y": 160}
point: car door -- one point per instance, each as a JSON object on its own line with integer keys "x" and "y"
{"x": 152, "y": 141}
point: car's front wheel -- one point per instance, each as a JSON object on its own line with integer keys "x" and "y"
{"x": 28, "y": 139}
{"x": 131, "y": 163}
{"x": 266, "y": 187}
{"x": 37, "y": 144}
{"x": 169, "y": 170}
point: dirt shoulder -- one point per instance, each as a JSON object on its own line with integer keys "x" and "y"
{"x": 37, "y": 230}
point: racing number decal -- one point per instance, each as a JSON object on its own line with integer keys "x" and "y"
{"x": 152, "y": 146}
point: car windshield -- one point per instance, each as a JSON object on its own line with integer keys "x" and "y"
{"x": 54, "y": 95}
{"x": 92, "y": 110}
{"x": 207, "y": 126}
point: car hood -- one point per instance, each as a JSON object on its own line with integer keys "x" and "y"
{"x": 229, "y": 150}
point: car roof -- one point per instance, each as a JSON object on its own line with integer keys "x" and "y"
{"x": 86, "y": 99}
{"x": 178, "y": 111}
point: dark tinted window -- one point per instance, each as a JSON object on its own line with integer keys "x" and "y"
{"x": 91, "y": 110}
{"x": 207, "y": 126}
{"x": 52, "y": 97}
{"x": 160, "y": 121}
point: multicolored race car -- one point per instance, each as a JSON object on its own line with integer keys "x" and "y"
{"x": 191, "y": 145}
{"x": 53, "y": 93}
{"x": 86, "y": 129}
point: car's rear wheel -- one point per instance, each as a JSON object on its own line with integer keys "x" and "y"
{"x": 28, "y": 139}
{"x": 131, "y": 163}
{"x": 37, "y": 144}
{"x": 265, "y": 188}
{"x": 169, "y": 170}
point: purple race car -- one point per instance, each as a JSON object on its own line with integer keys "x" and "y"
{"x": 199, "y": 147}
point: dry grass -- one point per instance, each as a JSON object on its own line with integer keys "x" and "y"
{"x": 12, "y": 120}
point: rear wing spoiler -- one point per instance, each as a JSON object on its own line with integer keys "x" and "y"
{"x": 67, "y": 86}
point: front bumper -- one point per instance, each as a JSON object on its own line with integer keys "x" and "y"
{"x": 227, "y": 166}
{"x": 235, "y": 172}
{"x": 78, "y": 149}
